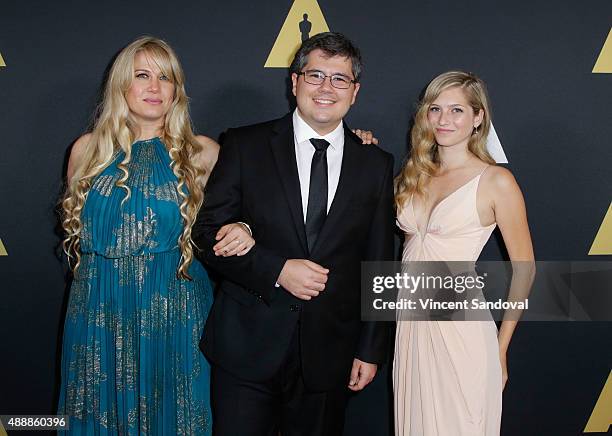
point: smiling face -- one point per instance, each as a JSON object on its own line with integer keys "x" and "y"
{"x": 452, "y": 118}
{"x": 322, "y": 106}
{"x": 151, "y": 92}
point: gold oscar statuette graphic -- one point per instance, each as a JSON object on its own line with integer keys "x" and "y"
{"x": 601, "y": 418}
{"x": 2, "y": 430}
{"x": 2, "y": 249}
{"x": 604, "y": 61}
{"x": 2, "y": 64}
{"x": 602, "y": 244}
{"x": 304, "y": 20}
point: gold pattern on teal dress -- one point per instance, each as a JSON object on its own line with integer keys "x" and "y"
{"x": 131, "y": 363}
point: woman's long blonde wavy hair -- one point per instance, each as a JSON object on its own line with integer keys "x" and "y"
{"x": 424, "y": 160}
{"x": 115, "y": 130}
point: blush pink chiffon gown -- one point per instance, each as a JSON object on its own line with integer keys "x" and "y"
{"x": 447, "y": 376}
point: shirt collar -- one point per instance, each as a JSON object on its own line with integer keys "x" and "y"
{"x": 303, "y": 132}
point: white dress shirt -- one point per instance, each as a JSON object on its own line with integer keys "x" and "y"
{"x": 304, "y": 150}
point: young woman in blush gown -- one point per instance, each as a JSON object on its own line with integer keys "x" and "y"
{"x": 138, "y": 303}
{"x": 448, "y": 376}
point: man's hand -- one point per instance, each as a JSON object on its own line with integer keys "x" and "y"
{"x": 361, "y": 374}
{"x": 302, "y": 278}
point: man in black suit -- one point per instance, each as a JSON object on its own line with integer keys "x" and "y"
{"x": 284, "y": 335}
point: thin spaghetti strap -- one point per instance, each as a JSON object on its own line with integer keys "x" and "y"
{"x": 485, "y": 168}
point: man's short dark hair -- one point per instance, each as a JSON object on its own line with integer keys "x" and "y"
{"x": 331, "y": 43}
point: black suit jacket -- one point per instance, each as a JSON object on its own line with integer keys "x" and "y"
{"x": 251, "y": 322}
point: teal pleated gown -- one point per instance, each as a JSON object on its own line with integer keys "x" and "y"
{"x": 131, "y": 362}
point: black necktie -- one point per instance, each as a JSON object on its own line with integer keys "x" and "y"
{"x": 317, "y": 194}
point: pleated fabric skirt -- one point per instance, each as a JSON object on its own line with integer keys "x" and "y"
{"x": 130, "y": 359}
{"x": 447, "y": 379}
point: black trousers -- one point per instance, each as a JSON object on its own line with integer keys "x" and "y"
{"x": 281, "y": 405}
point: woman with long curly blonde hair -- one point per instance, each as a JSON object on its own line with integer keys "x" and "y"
{"x": 138, "y": 302}
{"x": 448, "y": 376}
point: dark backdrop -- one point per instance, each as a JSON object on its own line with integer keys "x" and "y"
{"x": 550, "y": 112}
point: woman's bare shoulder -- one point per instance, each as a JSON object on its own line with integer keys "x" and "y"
{"x": 499, "y": 180}
{"x": 207, "y": 158}
{"x": 76, "y": 153}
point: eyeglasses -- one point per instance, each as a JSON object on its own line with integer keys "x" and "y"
{"x": 315, "y": 77}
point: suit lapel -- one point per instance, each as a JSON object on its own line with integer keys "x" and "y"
{"x": 349, "y": 174}
{"x": 283, "y": 149}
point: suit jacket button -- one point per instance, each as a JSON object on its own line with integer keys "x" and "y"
{"x": 294, "y": 308}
